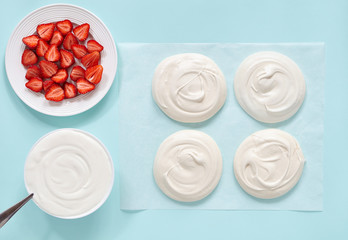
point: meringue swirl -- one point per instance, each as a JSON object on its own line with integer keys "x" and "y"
{"x": 189, "y": 87}
{"x": 268, "y": 163}
{"x": 69, "y": 172}
{"x": 188, "y": 166}
{"x": 269, "y": 86}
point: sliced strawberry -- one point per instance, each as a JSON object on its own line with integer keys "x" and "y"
{"x": 66, "y": 59}
{"x": 81, "y": 31}
{"x": 33, "y": 72}
{"x": 61, "y": 76}
{"x": 55, "y": 93}
{"x": 84, "y": 86}
{"x": 34, "y": 84}
{"x": 45, "y": 31}
{"x": 31, "y": 41}
{"x": 48, "y": 69}
{"x": 90, "y": 59}
{"x": 57, "y": 38}
{"x": 69, "y": 40}
{"x": 79, "y": 50}
{"x": 77, "y": 72}
{"x": 93, "y": 45}
{"x": 70, "y": 90}
{"x": 47, "y": 84}
{"x": 41, "y": 48}
{"x": 94, "y": 74}
{"x": 64, "y": 26}
{"x": 29, "y": 57}
{"x": 52, "y": 54}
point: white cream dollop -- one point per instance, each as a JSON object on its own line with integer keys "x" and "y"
{"x": 268, "y": 163}
{"x": 269, "y": 86}
{"x": 70, "y": 173}
{"x": 189, "y": 87}
{"x": 188, "y": 165}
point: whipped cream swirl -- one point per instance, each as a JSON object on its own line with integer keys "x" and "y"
{"x": 188, "y": 166}
{"x": 269, "y": 86}
{"x": 189, "y": 87}
{"x": 70, "y": 173}
{"x": 268, "y": 163}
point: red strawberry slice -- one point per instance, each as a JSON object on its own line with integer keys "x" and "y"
{"x": 55, "y": 93}
{"x": 66, "y": 59}
{"x": 33, "y": 72}
{"x": 94, "y": 74}
{"x": 29, "y": 57}
{"x": 90, "y": 59}
{"x": 61, "y": 76}
{"x": 84, "y": 86}
{"x": 41, "y": 48}
{"x": 77, "y": 72}
{"x": 34, "y": 84}
{"x": 47, "y": 84}
{"x": 79, "y": 50}
{"x": 57, "y": 38}
{"x": 48, "y": 69}
{"x": 69, "y": 40}
{"x": 70, "y": 90}
{"x": 45, "y": 31}
{"x": 64, "y": 26}
{"x": 81, "y": 31}
{"x": 93, "y": 45}
{"x": 52, "y": 54}
{"x": 31, "y": 41}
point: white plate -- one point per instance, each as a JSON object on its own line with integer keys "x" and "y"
{"x": 16, "y": 71}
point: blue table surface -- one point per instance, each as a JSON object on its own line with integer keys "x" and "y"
{"x": 242, "y": 21}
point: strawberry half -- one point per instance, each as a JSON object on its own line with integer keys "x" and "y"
{"x": 66, "y": 59}
{"x": 57, "y": 38}
{"x": 77, "y": 72}
{"x": 84, "y": 86}
{"x": 29, "y": 57}
{"x": 48, "y": 69}
{"x": 45, "y": 31}
{"x": 70, "y": 90}
{"x": 69, "y": 40}
{"x": 41, "y": 48}
{"x": 52, "y": 54}
{"x": 90, "y": 59}
{"x": 31, "y": 41}
{"x": 47, "y": 84}
{"x": 55, "y": 93}
{"x": 94, "y": 74}
{"x": 79, "y": 50}
{"x": 64, "y": 26}
{"x": 34, "y": 84}
{"x": 61, "y": 76}
{"x": 93, "y": 45}
{"x": 81, "y": 31}
{"x": 33, "y": 72}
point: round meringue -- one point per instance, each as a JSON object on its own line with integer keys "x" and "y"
{"x": 189, "y": 87}
{"x": 268, "y": 163}
{"x": 188, "y": 166}
{"x": 269, "y": 86}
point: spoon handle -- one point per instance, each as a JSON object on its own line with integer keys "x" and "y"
{"x": 6, "y": 215}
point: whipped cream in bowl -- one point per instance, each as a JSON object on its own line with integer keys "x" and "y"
{"x": 70, "y": 172}
{"x": 189, "y": 87}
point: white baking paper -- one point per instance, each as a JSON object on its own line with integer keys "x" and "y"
{"x": 142, "y": 126}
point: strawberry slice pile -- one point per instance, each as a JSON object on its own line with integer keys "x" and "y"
{"x": 59, "y": 63}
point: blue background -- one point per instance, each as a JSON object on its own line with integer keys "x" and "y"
{"x": 183, "y": 21}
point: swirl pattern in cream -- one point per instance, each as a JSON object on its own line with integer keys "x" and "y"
{"x": 188, "y": 166}
{"x": 268, "y": 163}
{"x": 70, "y": 173}
{"x": 269, "y": 86}
{"x": 189, "y": 87}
